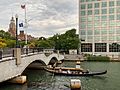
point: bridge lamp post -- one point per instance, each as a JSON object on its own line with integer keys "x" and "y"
{"x": 57, "y": 44}
{"x": 16, "y": 17}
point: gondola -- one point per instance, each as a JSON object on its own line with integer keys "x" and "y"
{"x": 73, "y": 72}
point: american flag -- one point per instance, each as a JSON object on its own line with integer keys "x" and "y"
{"x": 23, "y": 6}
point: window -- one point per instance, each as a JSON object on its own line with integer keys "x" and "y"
{"x": 89, "y": 19}
{"x": 118, "y": 9}
{"x": 83, "y": 32}
{"x": 100, "y": 47}
{"x": 89, "y": 38}
{"x": 97, "y": 38}
{"x": 104, "y": 38}
{"x": 83, "y": 13}
{"x": 82, "y": 0}
{"x": 89, "y": 12}
{"x": 97, "y": 24}
{"x": 111, "y": 10}
{"x": 118, "y": 16}
{"x": 89, "y": 6}
{"x": 111, "y": 23}
{"x": 118, "y": 24}
{"x": 118, "y": 3}
{"x": 111, "y": 31}
{"x": 104, "y": 11}
{"x": 111, "y": 38}
{"x": 104, "y": 4}
{"x": 96, "y": 12}
{"x": 103, "y": 24}
{"x": 88, "y": 0}
{"x": 83, "y": 6}
{"x": 118, "y": 31}
{"x": 89, "y": 32}
{"x": 103, "y": 32}
{"x": 83, "y": 19}
{"x": 86, "y": 47}
{"x": 83, "y": 26}
{"x": 97, "y": 32}
{"x": 89, "y": 25}
{"x": 111, "y": 3}
{"x": 104, "y": 18}
{"x": 111, "y": 17}
{"x": 97, "y": 5}
{"x": 96, "y": 18}
{"x": 118, "y": 38}
{"x": 114, "y": 47}
{"x": 83, "y": 37}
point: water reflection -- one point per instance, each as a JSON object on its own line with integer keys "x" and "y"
{"x": 9, "y": 86}
{"x": 42, "y": 80}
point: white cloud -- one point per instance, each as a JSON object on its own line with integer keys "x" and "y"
{"x": 47, "y": 17}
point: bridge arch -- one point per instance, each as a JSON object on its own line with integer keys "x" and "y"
{"x": 14, "y": 70}
{"x": 53, "y": 61}
{"x": 36, "y": 64}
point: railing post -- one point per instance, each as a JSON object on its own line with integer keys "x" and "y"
{"x": 38, "y": 50}
{"x": 13, "y": 52}
{"x": 26, "y": 50}
{"x": 0, "y": 54}
{"x": 58, "y": 52}
{"x": 17, "y": 55}
{"x": 33, "y": 50}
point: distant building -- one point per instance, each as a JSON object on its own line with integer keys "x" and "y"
{"x": 12, "y": 31}
{"x": 99, "y": 26}
{"x": 73, "y": 51}
{"x": 12, "y": 28}
{"x": 22, "y": 36}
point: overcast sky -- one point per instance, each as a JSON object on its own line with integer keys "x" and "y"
{"x": 45, "y": 17}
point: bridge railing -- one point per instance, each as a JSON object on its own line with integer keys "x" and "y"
{"x": 9, "y": 52}
{"x": 30, "y": 50}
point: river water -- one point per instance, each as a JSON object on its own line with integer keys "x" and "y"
{"x": 42, "y": 80}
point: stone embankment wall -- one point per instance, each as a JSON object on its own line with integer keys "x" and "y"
{"x": 73, "y": 57}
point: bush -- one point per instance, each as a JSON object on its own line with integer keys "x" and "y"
{"x": 98, "y": 58}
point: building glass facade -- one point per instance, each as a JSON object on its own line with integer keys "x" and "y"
{"x": 99, "y": 25}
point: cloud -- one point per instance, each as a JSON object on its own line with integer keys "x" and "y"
{"x": 46, "y": 17}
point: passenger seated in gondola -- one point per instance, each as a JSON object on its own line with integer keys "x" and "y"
{"x": 60, "y": 70}
{"x": 87, "y": 71}
{"x": 68, "y": 71}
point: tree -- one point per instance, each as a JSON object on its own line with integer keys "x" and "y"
{"x": 10, "y": 43}
{"x": 69, "y": 40}
{"x": 44, "y": 44}
{"x": 5, "y": 35}
{"x": 66, "y": 41}
{"x": 2, "y": 43}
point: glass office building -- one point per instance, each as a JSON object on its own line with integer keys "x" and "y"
{"x": 99, "y": 26}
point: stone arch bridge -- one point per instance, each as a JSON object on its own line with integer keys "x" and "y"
{"x": 13, "y": 67}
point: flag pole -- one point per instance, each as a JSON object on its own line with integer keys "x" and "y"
{"x": 25, "y": 25}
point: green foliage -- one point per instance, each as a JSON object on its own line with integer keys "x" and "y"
{"x": 2, "y": 43}
{"x": 98, "y": 58}
{"x": 10, "y": 43}
{"x": 66, "y": 41}
{"x": 22, "y": 43}
{"x": 5, "y": 35}
{"x": 44, "y": 44}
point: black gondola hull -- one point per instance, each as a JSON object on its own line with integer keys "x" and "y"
{"x": 74, "y": 73}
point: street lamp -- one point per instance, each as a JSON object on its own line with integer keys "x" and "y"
{"x": 16, "y": 16}
{"x": 57, "y": 43}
